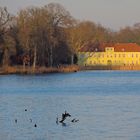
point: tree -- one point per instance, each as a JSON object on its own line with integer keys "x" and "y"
{"x": 58, "y": 18}
{"x": 8, "y": 49}
{"x": 6, "y": 40}
{"x": 5, "y": 18}
{"x": 41, "y": 31}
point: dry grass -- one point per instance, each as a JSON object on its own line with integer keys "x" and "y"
{"x": 38, "y": 70}
{"x": 70, "y": 68}
{"x": 61, "y": 69}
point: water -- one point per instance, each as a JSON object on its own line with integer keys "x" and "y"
{"x": 107, "y": 104}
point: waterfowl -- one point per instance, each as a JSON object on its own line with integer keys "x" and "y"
{"x": 64, "y": 116}
{"x": 15, "y": 120}
{"x": 74, "y": 120}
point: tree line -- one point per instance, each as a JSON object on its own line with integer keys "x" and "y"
{"x": 49, "y": 36}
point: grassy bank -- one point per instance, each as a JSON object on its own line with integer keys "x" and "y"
{"x": 37, "y": 70}
{"x": 62, "y": 69}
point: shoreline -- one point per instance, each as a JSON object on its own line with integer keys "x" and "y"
{"x": 62, "y": 69}
{"x": 119, "y": 68}
{"x": 38, "y": 70}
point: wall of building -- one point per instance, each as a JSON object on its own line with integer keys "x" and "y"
{"x": 109, "y": 58}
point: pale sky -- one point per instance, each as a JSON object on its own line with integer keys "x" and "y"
{"x": 113, "y": 14}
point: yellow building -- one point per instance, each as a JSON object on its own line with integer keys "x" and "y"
{"x": 120, "y": 54}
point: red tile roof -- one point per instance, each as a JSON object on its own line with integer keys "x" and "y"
{"x": 118, "y": 47}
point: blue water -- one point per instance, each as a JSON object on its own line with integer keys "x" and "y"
{"x": 107, "y": 104}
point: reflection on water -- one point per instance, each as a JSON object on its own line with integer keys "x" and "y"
{"x": 106, "y": 110}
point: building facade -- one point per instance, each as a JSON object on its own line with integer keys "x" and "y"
{"x": 120, "y": 54}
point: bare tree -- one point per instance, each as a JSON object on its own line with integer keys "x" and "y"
{"x": 6, "y": 40}
{"x": 5, "y": 18}
{"x": 59, "y": 17}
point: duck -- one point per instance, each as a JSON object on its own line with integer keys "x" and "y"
{"x": 74, "y": 120}
{"x": 15, "y": 120}
{"x": 35, "y": 125}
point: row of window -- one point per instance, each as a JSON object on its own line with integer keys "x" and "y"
{"x": 117, "y": 55}
{"x": 114, "y": 62}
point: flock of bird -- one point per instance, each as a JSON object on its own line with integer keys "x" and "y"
{"x": 64, "y": 116}
{"x": 16, "y": 121}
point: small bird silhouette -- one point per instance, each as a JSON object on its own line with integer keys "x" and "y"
{"x": 15, "y": 120}
{"x": 64, "y": 116}
{"x": 35, "y": 125}
{"x": 74, "y": 120}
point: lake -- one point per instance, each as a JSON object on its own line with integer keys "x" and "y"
{"x": 106, "y": 103}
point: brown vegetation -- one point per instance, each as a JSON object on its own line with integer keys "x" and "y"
{"x": 40, "y": 37}
{"x": 38, "y": 70}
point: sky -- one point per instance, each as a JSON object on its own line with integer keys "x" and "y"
{"x": 113, "y": 14}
